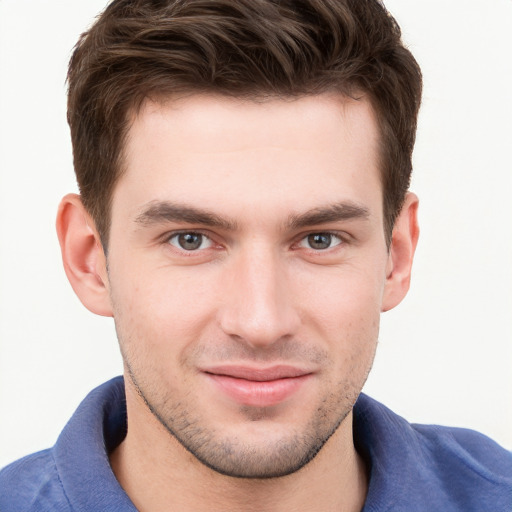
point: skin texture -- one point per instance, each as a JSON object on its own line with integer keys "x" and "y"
{"x": 246, "y": 238}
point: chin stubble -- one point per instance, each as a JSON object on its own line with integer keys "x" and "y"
{"x": 234, "y": 458}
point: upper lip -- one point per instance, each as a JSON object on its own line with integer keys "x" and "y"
{"x": 258, "y": 374}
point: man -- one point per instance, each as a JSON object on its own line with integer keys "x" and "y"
{"x": 244, "y": 217}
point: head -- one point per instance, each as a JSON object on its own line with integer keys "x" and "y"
{"x": 246, "y": 164}
{"x": 251, "y": 49}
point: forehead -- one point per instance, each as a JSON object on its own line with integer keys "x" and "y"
{"x": 279, "y": 153}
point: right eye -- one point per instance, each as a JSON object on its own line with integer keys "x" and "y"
{"x": 190, "y": 241}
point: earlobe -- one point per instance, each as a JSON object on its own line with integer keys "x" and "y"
{"x": 82, "y": 255}
{"x": 401, "y": 253}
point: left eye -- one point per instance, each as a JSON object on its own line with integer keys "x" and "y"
{"x": 190, "y": 241}
{"x": 320, "y": 241}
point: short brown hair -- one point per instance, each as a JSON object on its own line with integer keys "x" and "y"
{"x": 244, "y": 48}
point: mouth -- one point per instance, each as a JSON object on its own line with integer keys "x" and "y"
{"x": 258, "y": 387}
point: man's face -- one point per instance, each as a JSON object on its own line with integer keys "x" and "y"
{"x": 247, "y": 265}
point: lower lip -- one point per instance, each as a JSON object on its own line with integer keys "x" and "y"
{"x": 259, "y": 393}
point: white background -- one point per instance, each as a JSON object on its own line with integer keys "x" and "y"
{"x": 445, "y": 354}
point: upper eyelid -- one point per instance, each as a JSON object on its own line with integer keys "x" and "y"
{"x": 175, "y": 235}
{"x": 169, "y": 234}
{"x": 333, "y": 234}
{"x": 165, "y": 240}
{"x": 342, "y": 235}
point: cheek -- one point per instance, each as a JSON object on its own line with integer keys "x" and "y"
{"x": 161, "y": 310}
{"x": 345, "y": 298}
{"x": 344, "y": 313}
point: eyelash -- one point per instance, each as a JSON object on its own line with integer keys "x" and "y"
{"x": 333, "y": 234}
{"x": 342, "y": 240}
{"x": 177, "y": 234}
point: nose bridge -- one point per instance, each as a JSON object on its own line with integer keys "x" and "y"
{"x": 259, "y": 306}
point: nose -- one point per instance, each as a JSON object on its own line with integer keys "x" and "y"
{"x": 258, "y": 304}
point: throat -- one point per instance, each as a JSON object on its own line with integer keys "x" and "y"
{"x": 159, "y": 475}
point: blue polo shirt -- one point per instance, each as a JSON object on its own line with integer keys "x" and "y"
{"x": 413, "y": 468}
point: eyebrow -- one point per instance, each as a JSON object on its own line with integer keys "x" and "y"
{"x": 164, "y": 211}
{"x": 331, "y": 213}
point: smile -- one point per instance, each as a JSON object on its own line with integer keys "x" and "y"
{"x": 258, "y": 387}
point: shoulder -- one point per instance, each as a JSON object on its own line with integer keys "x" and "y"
{"x": 473, "y": 453}
{"x": 411, "y": 465}
{"x": 32, "y": 484}
{"x": 75, "y": 473}
{"x": 475, "y": 472}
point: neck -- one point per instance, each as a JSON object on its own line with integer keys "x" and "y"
{"x": 159, "y": 475}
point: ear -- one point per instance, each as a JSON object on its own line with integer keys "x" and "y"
{"x": 82, "y": 255}
{"x": 401, "y": 253}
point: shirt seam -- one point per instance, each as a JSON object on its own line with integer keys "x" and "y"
{"x": 61, "y": 484}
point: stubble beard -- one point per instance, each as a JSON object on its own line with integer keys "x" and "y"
{"x": 232, "y": 456}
